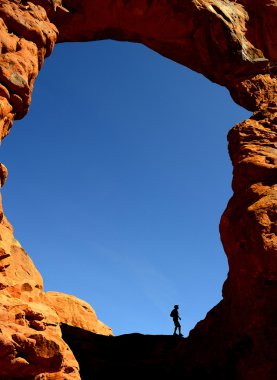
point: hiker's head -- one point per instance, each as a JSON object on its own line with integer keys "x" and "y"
{"x": 176, "y": 306}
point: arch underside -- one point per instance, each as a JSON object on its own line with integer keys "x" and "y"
{"x": 232, "y": 43}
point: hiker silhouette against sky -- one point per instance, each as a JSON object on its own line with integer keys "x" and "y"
{"x": 175, "y": 315}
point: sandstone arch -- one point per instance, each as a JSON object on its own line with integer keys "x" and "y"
{"x": 232, "y": 44}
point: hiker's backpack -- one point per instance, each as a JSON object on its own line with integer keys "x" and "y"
{"x": 172, "y": 313}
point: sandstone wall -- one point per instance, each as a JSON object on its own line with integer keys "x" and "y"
{"x": 233, "y": 43}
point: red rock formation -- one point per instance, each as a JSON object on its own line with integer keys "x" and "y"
{"x": 74, "y": 312}
{"x": 26, "y": 37}
{"x": 233, "y": 44}
{"x": 30, "y": 335}
{"x": 31, "y": 341}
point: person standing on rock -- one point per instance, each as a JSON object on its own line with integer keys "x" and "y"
{"x": 175, "y": 315}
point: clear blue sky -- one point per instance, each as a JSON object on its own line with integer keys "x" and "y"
{"x": 117, "y": 180}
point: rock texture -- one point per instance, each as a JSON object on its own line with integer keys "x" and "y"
{"x": 75, "y": 312}
{"x": 26, "y": 37}
{"x": 233, "y": 43}
{"x": 31, "y": 341}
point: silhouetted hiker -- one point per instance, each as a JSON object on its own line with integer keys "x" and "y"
{"x": 175, "y": 315}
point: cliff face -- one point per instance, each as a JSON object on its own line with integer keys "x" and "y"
{"x": 31, "y": 341}
{"x": 233, "y": 44}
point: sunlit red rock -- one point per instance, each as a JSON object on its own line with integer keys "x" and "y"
{"x": 75, "y": 312}
{"x": 31, "y": 341}
{"x": 233, "y": 43}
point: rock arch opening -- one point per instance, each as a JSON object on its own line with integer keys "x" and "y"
{"x": 222, "y": 40}
{"x": 132, "y": 167}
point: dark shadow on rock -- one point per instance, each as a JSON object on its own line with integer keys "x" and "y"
{"x": 133, "y": 356}
{"x": 200, "y": 356}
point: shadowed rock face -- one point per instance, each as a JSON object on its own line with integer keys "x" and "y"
{"x": 129, "y": 356}
{"x": 233, "y": 43}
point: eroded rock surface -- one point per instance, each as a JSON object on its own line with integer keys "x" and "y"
{"x": 31, "y": 343}
{"x": 233, "y": 43}
{"x": 75, "y": 312}
{"x": 26, "y": 37}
